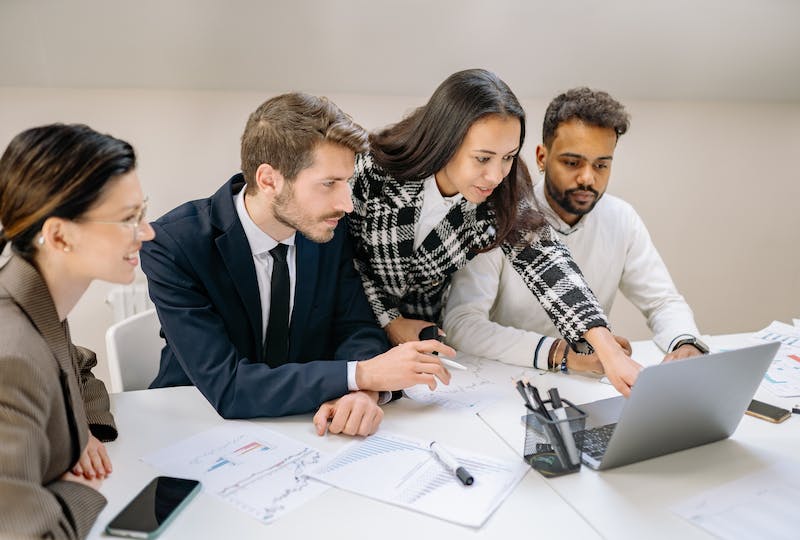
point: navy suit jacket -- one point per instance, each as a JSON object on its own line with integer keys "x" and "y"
{"x": 202, "y": 279}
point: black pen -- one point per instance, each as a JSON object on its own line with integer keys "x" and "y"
{"x": 521, "y": 389}
{"x": 560, "y": 415}
{"x": 452, "y": 465}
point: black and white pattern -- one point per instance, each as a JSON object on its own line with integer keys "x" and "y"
{"x": 399, "y": 280}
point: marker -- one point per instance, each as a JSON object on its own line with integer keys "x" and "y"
{"x": 566, "y": 432}
{"x": 452, "y": 465}
{"x": 452, "y": 363}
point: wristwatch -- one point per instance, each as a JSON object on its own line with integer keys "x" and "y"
{"x": 691, "y": 340}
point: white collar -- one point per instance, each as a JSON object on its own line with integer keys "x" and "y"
{"x": 260, "y": 242}
{"x": 434, "y": 197}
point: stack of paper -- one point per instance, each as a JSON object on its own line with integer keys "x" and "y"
{"x": 783, "y": 376}
{"x": 403, "y": 471}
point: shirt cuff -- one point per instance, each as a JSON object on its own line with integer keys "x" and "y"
{"x": 678, "y": 339}
{"x": 351, "y": 376}
{"x": 542, "y": 352}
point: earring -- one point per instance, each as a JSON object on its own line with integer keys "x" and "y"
{"x": 40, "y": 240}
{"x": 67, "y": 249}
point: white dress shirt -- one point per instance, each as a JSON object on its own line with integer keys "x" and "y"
{"x": 491, "y": 313}
{"x": 260, "y": 244}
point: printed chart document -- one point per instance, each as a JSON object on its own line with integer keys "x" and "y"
{"x": 403, "y": 471}
{"x": 471, "y": 389}
{"x": 783, "y": 376}
{"x": 760, "y": 505}
{"x": 257, "y": 470}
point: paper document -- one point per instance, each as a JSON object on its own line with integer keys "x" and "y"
{"x": 468, "y": 389}
{"x": 783, "y": 376}
{"x": 255, "y": 469}
{"x": 761, "y": 505}
{"x": 404, "y": 472}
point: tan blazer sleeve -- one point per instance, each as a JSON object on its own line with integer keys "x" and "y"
{"x": 95, "y": 396}
{"x": 59, "y": 509}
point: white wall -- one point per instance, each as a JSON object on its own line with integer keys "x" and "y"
{"x": 715, "y": 183}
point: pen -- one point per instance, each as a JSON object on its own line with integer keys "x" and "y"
{"x": 432, "y": 332}
{"x": 451, "y": 363}
{"x": 452, "y": 465}
{"x": 521, "y": 389}
{"x": 566, "y": 433}
{"x": 796, "y": 409}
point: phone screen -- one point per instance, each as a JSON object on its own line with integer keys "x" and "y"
{"x": 769, "y": 412}
{"x": 153, "y": 507}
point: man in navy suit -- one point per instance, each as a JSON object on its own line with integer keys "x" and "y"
{"x": 255, "y": 287}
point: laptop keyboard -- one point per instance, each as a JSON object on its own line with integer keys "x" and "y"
{"x": 595, "y": 440}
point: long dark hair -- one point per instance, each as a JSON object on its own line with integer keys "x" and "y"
{"x": 58, "y": 170}
{"x": 422, "y": 143}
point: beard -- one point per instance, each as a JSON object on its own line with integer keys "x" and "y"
{"x": 565, "y": 199}
{"x": 289, "y": 213}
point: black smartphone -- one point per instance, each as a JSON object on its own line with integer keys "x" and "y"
{"x": 767, "y": 412}
{"x": 154, "y": 507}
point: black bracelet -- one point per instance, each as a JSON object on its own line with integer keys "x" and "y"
{"x": 536, "y": 353}
{"x": 564, "y": 358}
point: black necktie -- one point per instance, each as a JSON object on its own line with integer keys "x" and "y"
{"x": 276, "y": 342}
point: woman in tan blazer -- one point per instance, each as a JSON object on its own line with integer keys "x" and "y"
{"x": 72, "y": 211}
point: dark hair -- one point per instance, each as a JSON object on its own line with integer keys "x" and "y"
{"x": 423, "y": 142}
{"x": 58, "y": 170}
{"x": 285, "y": 130}
{"x": 594, "y": 107}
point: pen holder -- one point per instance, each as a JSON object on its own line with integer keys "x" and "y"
{"x": 546, "y": 449}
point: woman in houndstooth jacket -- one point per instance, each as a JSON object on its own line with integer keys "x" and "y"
{"x": 446, "y": 183}
{"x": 72, "y": 211}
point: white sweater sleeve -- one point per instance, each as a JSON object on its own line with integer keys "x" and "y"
{"x": 467, "y": 321}
{"x": 647, "y": 284}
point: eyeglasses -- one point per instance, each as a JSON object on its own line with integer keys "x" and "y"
{"x": 134, "y": 222}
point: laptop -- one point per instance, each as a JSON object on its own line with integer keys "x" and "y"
{"x": 674, "y": 406}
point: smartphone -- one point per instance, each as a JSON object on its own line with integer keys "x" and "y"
{"x": 153, "y": 508}
{"x": 767, "y": 412}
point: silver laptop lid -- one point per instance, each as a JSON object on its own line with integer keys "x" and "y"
{"x": 686, "y": 403}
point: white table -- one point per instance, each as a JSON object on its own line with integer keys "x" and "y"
{"x": 151, "y": 419}
{"x": 634, "y": 501}
{"x": 628, "y": 502}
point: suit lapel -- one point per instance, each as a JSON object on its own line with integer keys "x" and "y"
{"x": 235, "y": 253}
{"x": 25, "y": 285}
{"x": 407, "y": 197}
{"x": 306, "y": 275}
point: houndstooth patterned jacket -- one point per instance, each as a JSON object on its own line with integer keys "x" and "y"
{"x": 401, "y": 281}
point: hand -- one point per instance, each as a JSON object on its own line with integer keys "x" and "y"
{"x": 93, "y": 483}
{"x": 620, "y": 369}
{"x": 591, "y": 362}
{"x": 94, "y": 461}
{"x": 625, "y": 344}
{"x": 404, "y": 366}
{"x": 583, "y": 362}
{"x": 356, "y": 413}
{"x": 402, "y": 330}
{"x": 684, "y": 351}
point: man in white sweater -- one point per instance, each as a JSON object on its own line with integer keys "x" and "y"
{"x": 491, "y": 313}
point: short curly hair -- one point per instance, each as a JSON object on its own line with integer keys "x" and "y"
{"x": 594, "y": 107}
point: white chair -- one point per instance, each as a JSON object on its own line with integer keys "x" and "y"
{"x": 134, "y": 351}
